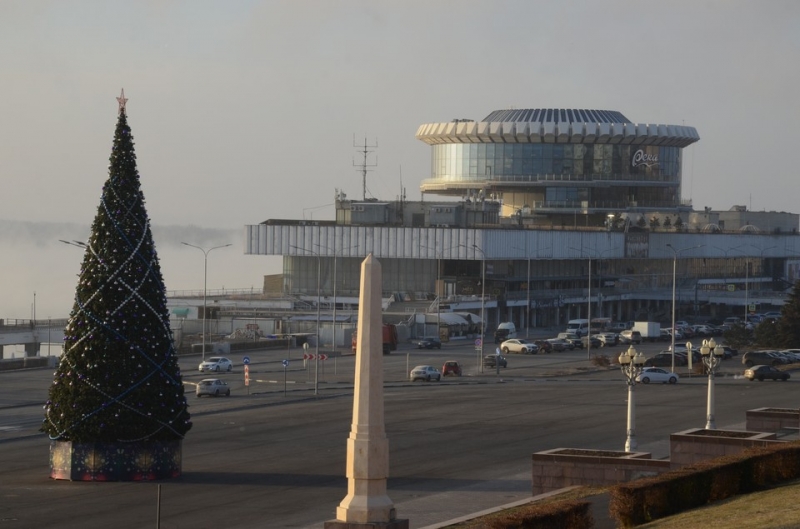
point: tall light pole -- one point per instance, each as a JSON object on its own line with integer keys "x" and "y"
{"x": 483, "y": 305}
{"x": 528, "y": 297}
{"x": 589, "y": 309}
{"x": 631, "y": 363}
{"x": 712, "y": 357}
{"x": 205, "y": 285}
{"x": 747, "y": 279}
{"x": 335, "y": 254}
{"x": 675, "y": 254}
{"x": 319, "y": 301}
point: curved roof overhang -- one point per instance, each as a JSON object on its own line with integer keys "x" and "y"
{"x": 535, "y": 126}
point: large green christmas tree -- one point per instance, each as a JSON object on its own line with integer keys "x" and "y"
{"x": 118, "y": 380}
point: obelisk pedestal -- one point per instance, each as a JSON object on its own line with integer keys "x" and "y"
{"x": 367, "y": 506}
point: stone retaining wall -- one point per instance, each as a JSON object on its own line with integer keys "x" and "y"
{"x": 691, "y": 446}
{"x": 564, "y": 467}
{"x": 772, "y": 419}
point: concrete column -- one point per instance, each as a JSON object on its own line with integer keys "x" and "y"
{"x": 367, "y": 469}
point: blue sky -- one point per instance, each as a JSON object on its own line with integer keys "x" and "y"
{"x": 247, "y": 110}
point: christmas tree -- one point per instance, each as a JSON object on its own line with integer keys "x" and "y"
{"x": 118, "y": 380}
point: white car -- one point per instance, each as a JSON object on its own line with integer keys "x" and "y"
{"x": 517, "y": 345}
{"x": 426, "y": 373}
{"x": 657, "y": 374}
{"x": 213, "y": 387}
{"x": 216, "y": 364}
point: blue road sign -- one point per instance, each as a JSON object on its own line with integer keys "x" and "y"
{"x": 285, "y": 363}
{"x": 246, "y": 360}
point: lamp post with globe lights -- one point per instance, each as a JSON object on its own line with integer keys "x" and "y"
{"x": 631, "y": 363}
{"x": 712, "y": 357}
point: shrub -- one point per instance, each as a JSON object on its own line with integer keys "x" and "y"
{"x": 601, "y": 360}
{"x": 566, "y": 514}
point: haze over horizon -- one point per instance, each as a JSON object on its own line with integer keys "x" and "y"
{"x": 248, "y": 110}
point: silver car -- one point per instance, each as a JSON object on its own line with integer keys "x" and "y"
{"x": 213, "y": 387}
{"x": 216, "y": 364}
{"x": 426, "y": 373}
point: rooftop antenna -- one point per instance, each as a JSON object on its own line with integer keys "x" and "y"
{"x": 364, "y": 165}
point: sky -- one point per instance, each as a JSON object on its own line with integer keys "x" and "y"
{"x": 244, "y": 111}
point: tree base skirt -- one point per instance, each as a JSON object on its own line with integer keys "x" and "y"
{"x": 140, "y": 461}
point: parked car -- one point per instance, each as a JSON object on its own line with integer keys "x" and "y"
{"x": 493, "y": 360}
{"x": 518, "y": 345}
{"x": 657, "y": 374}
{"x": 560, "y": 345}
{"x": 596, "y": 343}
{"x": 451, "y": 367}
{"x": 570, "y": 337}
{"x": 752, "y": 358}
{"x": 629, "y": 336}
{"x": 545, "y": 346}
{"x": 215, "y": 363}
{"x": 426, "y": 373}
{"x": 761, "y": 373}
{"x": 665, "y": 360}
{"x": 213, "y": 387}
{"x": 607, "y": 338}
{"x": 429, "y": 343}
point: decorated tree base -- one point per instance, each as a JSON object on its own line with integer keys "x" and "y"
{"x": 141, "y": 461}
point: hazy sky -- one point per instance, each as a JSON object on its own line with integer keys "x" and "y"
{"x": 247, "y": 110}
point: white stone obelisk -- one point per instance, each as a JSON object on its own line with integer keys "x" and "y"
{"x": 367, "y": 447}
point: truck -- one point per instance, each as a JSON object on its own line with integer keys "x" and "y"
{"x": 650, "y": 330}
{"x": 389, "y": 338}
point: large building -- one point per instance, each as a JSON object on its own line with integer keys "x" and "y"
{"x": 540, "y": 211}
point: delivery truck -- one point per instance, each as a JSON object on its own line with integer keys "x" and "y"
{"x": 650, "y": 330}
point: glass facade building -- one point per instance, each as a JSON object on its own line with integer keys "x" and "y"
{"x": 550, "y": 161}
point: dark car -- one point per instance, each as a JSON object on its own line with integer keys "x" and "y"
{"x": 489, "y": 361}
{"x": 763, "y": 372}
{"x": 451, "y": 367}
{"x": 753, "y": 358}
{"x": 544, "y": 346}
{"x": 429, "y": 343}
{"x": 665, "y": 360}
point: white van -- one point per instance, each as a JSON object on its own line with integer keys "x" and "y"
{"x": 505, "y": 331}
{"x": 579, "y": 327}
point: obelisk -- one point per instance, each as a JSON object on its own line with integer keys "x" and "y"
{"x": 366, "y": 503}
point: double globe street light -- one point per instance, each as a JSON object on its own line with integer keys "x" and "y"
{"x": 712, "y": 357}
{"x": 631, "y": 363}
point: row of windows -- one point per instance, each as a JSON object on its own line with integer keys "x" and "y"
{"x": 462, "y": 161}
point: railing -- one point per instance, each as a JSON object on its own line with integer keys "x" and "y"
{"x": 16, "y": 325}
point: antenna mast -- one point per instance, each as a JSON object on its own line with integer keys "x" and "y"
{"x": 364, "y": 166}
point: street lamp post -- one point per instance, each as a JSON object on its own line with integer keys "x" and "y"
{"x": 205, "y": 285}
{"x": 747, "y": 279}
{"x": 483, "y": 307}
{"x": 631, "y": 363}
{"x": 712, "y": 357}
{"x": 675, "y": 254}
{"x": 319, "y": 301}
{"x": 589, "y": 296}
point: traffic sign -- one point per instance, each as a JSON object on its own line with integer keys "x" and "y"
{"x": 246, "y": 360}
{"x": 323, "y": 357}
{"x": 478, "y": 342}
{"x": 308, "y": 356}
{"x": 246, "y": 370}
{"x": 285, "y": 363}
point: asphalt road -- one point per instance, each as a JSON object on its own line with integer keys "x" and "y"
{"x": 275, "y": 459}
